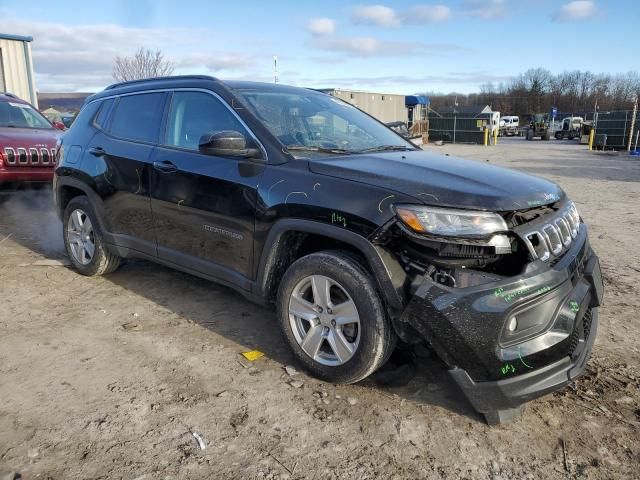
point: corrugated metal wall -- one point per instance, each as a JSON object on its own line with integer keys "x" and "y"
{"x": 18, "y": 73}
{"x": 383, "y": 106}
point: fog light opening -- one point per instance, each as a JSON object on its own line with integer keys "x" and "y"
{"x": 513, "y": 324}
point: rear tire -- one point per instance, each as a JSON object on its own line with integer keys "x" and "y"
{"x": 529, "y": 134}
{"x": 313, "y": 326}
{"x": 83, "y": 240}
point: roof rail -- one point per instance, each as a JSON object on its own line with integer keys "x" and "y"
{"x": 156, "y": 79}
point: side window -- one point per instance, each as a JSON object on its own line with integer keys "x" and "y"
{"x": 103, "y": 114}
{"x": 137, "y": 117}
{"x": 192, "y": 114}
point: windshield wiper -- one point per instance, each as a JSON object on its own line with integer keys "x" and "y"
{"x": 385, "y": 148}
{"x": 310, "y": 148}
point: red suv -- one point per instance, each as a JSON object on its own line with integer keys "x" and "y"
{"x": 27, "y": 145}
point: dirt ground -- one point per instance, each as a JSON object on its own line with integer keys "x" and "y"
{"x": 111, "y": 377}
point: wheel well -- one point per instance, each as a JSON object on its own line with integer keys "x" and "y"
{"x": 293, "y": 245}
{"x": 66, "y": 194}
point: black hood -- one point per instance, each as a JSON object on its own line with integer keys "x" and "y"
{"x": 441, "y": 180}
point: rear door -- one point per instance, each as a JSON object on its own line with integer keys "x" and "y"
{"x": 122, "y": 151}
{"x": 203, "y": 205}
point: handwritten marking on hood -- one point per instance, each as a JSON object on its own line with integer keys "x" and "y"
{"x": 269, "y": 191}
{"x": 382, "y": 201}
{"x": 294, "y": 193}
{"x": 428, "y": 195}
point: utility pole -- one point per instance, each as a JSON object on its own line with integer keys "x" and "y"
{"x": 275, "y": 69}
{"x": 633, "y": 122}
{"x": 455, "y": 118}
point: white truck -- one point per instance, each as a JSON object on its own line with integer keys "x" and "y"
{"x": 570, "y": 128}
{"x": 509, "y": 125}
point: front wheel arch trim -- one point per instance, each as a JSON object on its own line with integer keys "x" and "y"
{"x": 388, "y": 274}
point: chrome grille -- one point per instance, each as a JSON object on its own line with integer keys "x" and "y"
{"x": 30, "y": 156}
{"x": 555, "y": 235}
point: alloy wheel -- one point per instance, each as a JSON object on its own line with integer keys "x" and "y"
{"x": 81, "y": 237}
{"x": 324, "y": 320}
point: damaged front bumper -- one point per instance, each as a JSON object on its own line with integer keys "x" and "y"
{"x": 509, "y": 341}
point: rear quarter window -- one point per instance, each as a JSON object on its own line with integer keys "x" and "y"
{"x": 138, "y": 117}
{"x": 86, "y": 114}
{"x": 103, "y": 114}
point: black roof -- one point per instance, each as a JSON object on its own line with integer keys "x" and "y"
{"x": 155, "y": 83}
{"x": 147, "y": 81}
{"x": 264, "y": 86}
{"x": 187, "y": 81}
{"x": 11, "y": 96}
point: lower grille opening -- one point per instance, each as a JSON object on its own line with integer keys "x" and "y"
{"x": 581, "y": 332}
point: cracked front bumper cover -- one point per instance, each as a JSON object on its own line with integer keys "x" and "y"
{"x": 511, "y": 393}
{"x": 499, "y": 370}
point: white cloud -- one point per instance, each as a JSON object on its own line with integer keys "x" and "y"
{"x": 379, "y": 15}
{"x": 382, "y": 16}
{"x": 576, "y": 11}
{"x": 321, "y": 26}
{"x": 80, "y": 57}
{"x": 373, "y": 47}
{"x": 427, "y": 14}
{"x": 472, "y": 79}
{"x": 485, "y": 9}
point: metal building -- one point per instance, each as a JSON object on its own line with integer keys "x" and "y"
{"x": 383, "y": 106}
{"x": 16, "y": 67}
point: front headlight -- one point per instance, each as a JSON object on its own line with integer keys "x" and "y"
{"x": 450, "y": 223}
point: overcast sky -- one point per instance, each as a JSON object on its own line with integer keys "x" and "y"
{"x": 395, "y": 47}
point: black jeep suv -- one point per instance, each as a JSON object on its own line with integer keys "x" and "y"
{"x": 297, "y": 199}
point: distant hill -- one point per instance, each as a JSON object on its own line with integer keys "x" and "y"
{"x": 62, "y": 102}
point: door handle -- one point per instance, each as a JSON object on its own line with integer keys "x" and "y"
{"x": 165, "y": 166}
{"x": 97, "y": 151}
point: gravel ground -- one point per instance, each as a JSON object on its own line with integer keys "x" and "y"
{"x": 112, "y": 377}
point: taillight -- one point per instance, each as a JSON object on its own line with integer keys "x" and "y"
{"x": 2, "y": 159}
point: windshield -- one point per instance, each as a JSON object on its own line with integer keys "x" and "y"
{"x": 21, "y": 115}
{"x": 311, "y": 121}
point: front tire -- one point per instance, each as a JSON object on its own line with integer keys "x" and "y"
{"x": 332, "y": 317}
{"x": 83, "y": 240}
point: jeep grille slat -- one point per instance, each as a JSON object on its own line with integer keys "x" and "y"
{"x": 11, "y": 155}
{"x": 44, "y": 155}
{"x": 34, "y": 156}
{"x": 554, "y": 236}
{"x": 22, "y": 156}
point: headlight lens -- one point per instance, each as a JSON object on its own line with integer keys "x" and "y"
{"x": 449, "y": 222}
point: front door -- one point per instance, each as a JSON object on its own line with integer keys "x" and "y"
{"x": 203, "y": 206}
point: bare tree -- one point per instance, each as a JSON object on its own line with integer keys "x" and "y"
{"x": 537, "y": 90}
{"x": 145, "y": 63}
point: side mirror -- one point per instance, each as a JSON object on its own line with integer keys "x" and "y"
{"x": 228, "y": 143}
{"x": 58, "y": 125}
